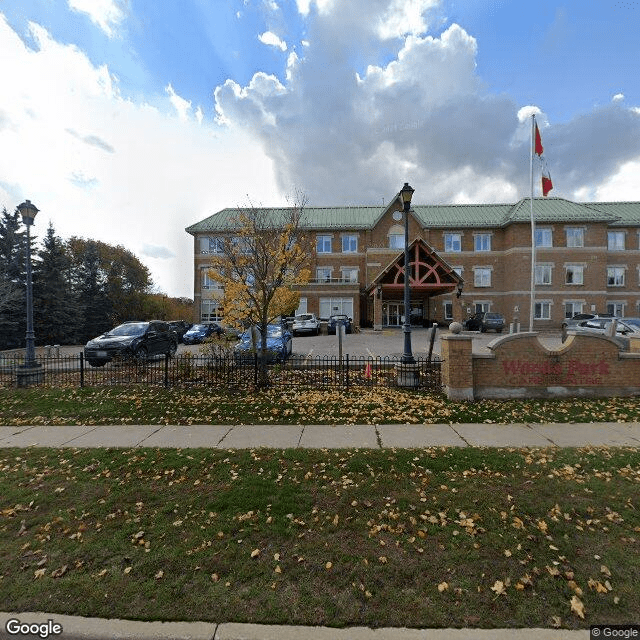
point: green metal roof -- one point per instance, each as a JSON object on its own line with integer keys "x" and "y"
{"x": 546, "y": 210}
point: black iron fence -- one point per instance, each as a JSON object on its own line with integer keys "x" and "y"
{"x": 219, "y": 372}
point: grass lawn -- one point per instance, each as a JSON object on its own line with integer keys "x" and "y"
{"x": 149, "y": 405}
{"x": 418, "y": 538}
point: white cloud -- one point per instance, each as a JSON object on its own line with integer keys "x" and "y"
{"x": 423, "y": 116}
{"x": 618, "y": 97}
{"x": 107, "y": 14}
{"x": 182, "y": 106}
{"x": 271, "y": 39}
{"x": 405, "y": 17}
{"x": 101, "y": 166}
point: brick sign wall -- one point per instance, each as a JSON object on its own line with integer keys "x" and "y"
{"x": 519, "y": 366}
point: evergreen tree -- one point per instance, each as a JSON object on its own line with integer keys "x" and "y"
{"x": 12, "y": 259}
{"x": 89, "y": 280}
{"x": 55, "y": 304}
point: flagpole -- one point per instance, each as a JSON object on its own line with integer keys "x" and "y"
{"x": 533, "y": 234}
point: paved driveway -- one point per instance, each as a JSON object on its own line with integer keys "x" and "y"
{"x": 369, "y": 343}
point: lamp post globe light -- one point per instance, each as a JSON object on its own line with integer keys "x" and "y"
{"x": 31, "y": 371}
{"x": 408, "y": 373}
{"x": 406, "y": 194}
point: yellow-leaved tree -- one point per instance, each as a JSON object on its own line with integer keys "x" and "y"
{"x": 262, "y": 258}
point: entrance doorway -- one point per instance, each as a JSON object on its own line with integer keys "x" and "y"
{"x": 393, "y": 316}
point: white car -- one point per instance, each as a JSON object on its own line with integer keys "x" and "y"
{"x": 305, "y": 323}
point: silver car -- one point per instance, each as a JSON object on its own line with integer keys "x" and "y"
{"x": 602, "y": 326}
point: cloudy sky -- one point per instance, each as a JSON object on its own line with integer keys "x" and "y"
{"x": 128, "y": 120}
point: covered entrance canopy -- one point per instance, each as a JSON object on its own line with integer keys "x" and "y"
{"x": 429, "y": 275}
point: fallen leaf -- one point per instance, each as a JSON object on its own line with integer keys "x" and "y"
{"x": 443, "y": 586}
{"x": 58, "y": 573}
{"x": 498, "y": 587}
{"x": 255, "y": 553}
{"x": 556, "y": 622}
{"x": 39, "y": 573}
{"x": 128, "y": 570}
{"x": 605, "y": 570}
{"x": 577, "y": 607}
{"x": 328, "y": 565}
{"x": 159, "y": 575}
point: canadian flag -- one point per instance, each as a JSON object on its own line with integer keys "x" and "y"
{"x": 547, "y": 185}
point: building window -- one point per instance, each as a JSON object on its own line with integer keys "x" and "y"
{"x": 544, "y": 238}
{"x": 571, "y": 308}
{"x": 543, "y": 274}
{"x": 615, "y": 240}
{"x": 332, "y": 306}
{"x": 574, "y": 274}
{"x": 210, "y": 311}
{"x": 482, "y": 242}
{"x": 349, "y": 244}
{"x": 452, "y": 242}
{"x": 302, "y": 307}
{"x": 396, "y": 241}
{"x": 208, "y": 283}
{"x": 323, "y": 244}
{"x": 615, "y": 276}
{"x": 575, "y": 236}
{"x": 542, "y": 310}
{"x": 349, "y": 274}
{"x": 481, "y": 277}
{"x": 212, "y": 245}
{"x": 481, "y": 307}
{"x": 448, "y": 310}
{"x": 323, "y": 274}
{"x": 616, "y": 309}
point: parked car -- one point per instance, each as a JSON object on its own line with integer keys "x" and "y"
{"x": 137, "y": 340}
{"x": 336, "y": 320}
{"x": 485, "y": 321}
{"x": 180, "y": 327}
{"x": 279, "y": 344}
{"x": 199, "y": 332}
{"x": 305, "y": 323}
{"x": 602, "y": 326}
{"x": 576, "y": 319}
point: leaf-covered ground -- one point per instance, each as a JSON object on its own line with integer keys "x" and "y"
{"x": 144, "y": 405}
{"x": 418, "y": 538}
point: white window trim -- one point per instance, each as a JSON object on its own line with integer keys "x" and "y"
{"x": 624, "y": 240}
{"x": 447, "y": 304}
{"x": 543, "y": 302}
{"x": 488, "y": 268}
{"x": 545, "y": 246}
{"x": 544, "y": 265}
{"x": 444, "y": 241}
{"x": 574, "y": 265}
{"x": 324, "y": 235}
{"x": 566, "y": 237}
{"x": 621, "y": 267}
{"x": 479, "y": 234}
{"x": 349, "y": 235}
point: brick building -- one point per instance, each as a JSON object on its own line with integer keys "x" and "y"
{"x": 587, "y": 259}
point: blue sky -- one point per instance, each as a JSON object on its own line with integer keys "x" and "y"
{"x": 128, "y": 120}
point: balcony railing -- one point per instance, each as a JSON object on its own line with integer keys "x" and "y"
{"x": 332, "y": 281}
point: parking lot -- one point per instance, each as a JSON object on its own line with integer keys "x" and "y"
{"x": 368, "y": 343}
{"x": 389, "y": 342}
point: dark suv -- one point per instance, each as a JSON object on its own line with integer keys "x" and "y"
{"x": 485, "y": 321}
{"x": 137, "y": 340}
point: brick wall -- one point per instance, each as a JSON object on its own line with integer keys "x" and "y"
{"x": 519, "y": 366}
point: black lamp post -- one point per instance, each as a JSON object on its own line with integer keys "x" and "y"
{"x": 28, "y": 212}
{"x": 405, "y": 197}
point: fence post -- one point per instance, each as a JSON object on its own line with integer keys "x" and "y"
{"x": 166, "y": 370}
{"x": 81, "y": 369}
{"x": 347, "y": 371}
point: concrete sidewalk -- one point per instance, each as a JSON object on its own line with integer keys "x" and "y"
{"x": 76, "y": 628}
{"x": 611, "y": 434}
